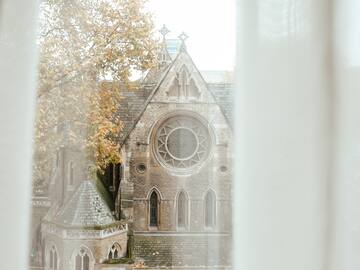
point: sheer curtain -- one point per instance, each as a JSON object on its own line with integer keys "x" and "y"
{"x": 345, "y": 200}
{"x": 17, "y": 88}
{"x": 297, "y": 181}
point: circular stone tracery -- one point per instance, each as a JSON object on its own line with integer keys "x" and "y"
{"x": 182, "y": 142}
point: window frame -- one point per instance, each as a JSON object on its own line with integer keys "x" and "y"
{"x": 48, "y": 253}
{"x": 187, "y": 211}
{"x": 88, "y": 253}
{"x": 117, "y": 247}
{"x": 214, "y": 210}
{"x": 159, "y": 199}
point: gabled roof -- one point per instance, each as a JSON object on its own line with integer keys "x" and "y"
{"x": 135, "y": 102}
{"x": 86, "y": 208}
{"x": 149, "y": 98}
{"x": 223, "y": 93}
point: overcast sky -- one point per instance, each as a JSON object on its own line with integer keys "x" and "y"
{"x": 210, "y": 25}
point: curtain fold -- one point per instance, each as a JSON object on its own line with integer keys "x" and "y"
{"x": 283, "y": 134}
{"x": 18, "y": 58}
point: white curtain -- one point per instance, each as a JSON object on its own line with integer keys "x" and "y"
{"x": 297, "y": 183}
{"x": 17, "y": 88}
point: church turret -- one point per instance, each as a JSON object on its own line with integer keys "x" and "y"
{"x": 83, "y": 232}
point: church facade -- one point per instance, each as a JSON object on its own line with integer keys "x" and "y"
{"x": 170, "y": 198}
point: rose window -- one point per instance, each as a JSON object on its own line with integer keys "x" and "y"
{"x": 182, "y": 142}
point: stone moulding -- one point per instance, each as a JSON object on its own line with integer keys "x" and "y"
{"x": 40, "y": 202}
{"x": 83, "y": 232}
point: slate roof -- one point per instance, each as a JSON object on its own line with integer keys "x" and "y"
{"x": 86, "y": 208}
{"x": 223, "y": 93}
{"x": 131, "y": 104}
{"x": 130, "y": 107}
{"x": 134, "y": 102}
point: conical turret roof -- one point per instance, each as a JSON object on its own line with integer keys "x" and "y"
{"x": 86, "y": 208}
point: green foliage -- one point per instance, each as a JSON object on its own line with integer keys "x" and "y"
{"x": 124, "y": 260}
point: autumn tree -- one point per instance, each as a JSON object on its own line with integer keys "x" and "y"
{"x": 83, "y": 42}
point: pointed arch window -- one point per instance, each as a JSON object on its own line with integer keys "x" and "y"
{"x": 183, "y": 85}
{"x": 174, "y": 88}
{"x": 184, "y": 76}
{"x": 182, "y": 210}
{"x": 154, "y": 209}
{"x": 210, "y": 209}
{"x": 114, "y": 252}
{"x": 53, "y": 259}
{"x": 82, "y": 260}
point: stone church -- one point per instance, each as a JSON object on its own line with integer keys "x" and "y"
{"x": 168, "y": 204}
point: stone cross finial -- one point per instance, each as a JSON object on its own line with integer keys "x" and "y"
{"x": 183, "y": 37}
{"x": 164, "y": 31}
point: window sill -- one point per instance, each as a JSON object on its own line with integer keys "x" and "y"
{"x": 153, "y": 228}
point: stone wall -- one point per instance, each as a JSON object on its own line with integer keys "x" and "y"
{"x": 215, "y": 173}
{"x": 196, "y": 250}
{"x": 98, "y": 248}
{"x": 168, "y": 246}
{"x": 39, "y": 209}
